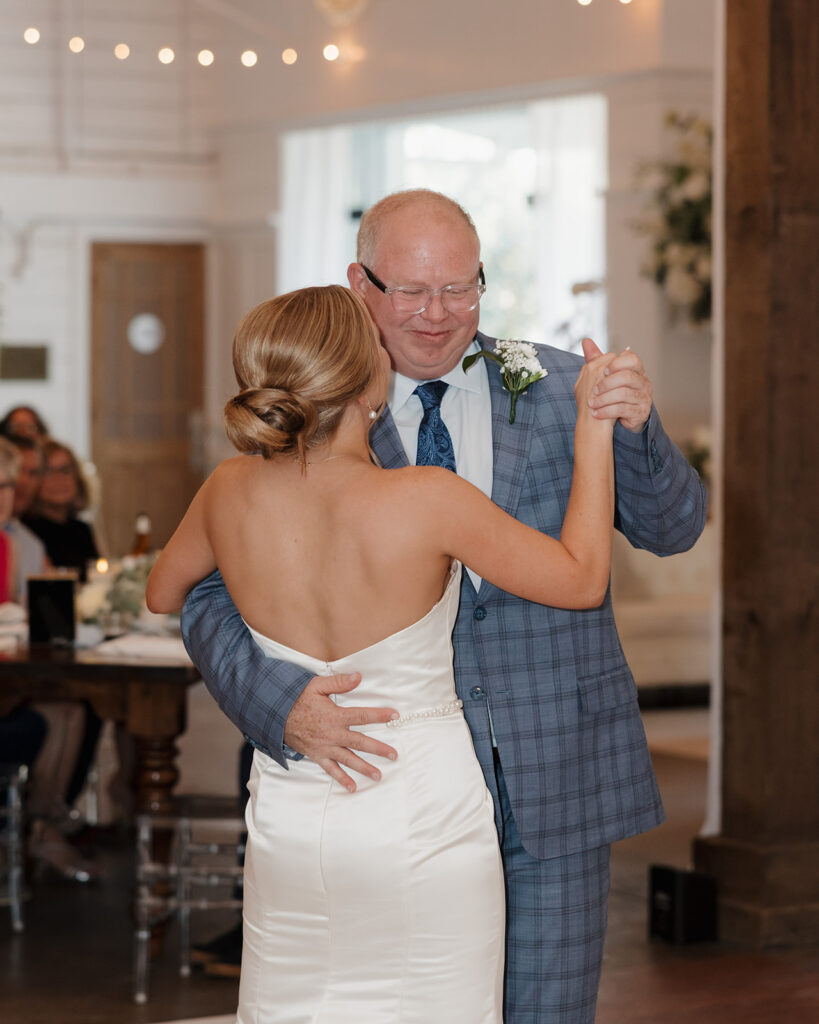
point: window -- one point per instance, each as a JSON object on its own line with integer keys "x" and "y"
{"x": 533, "y": 177}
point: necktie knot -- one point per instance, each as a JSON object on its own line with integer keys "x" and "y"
{"x": 431, "y": 393}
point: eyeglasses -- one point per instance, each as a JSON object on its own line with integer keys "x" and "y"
{"x": 455, "y": 298}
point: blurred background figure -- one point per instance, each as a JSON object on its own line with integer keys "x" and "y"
{"x": 48, "y": 737}
{"x": 23, "y": 421}
{"x": 21, "y": 470}
{"x": 52, "y": 516}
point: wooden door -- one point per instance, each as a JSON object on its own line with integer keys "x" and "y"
{"x": 147, "y": 384}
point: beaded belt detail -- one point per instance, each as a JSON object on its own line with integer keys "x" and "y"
{"x": 437, "y": 712}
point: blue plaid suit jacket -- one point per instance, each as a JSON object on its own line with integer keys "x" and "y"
{"x": 563, "y": 701}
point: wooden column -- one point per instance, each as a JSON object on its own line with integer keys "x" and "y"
{"x": 766, "y": 860}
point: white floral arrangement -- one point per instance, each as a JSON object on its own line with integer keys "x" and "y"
{"x": 116, "y": 588}
{"x": 678, "y": 219}
{"x": 520, "y": 367}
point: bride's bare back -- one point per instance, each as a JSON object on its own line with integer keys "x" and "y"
{"x": 326, "y": 561}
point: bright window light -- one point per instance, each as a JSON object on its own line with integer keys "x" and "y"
{"x": 166, "y": 55}
{"x": 76, "y": 44}
{"x": 32, "y": 35}
{"x": 249, "y": 58}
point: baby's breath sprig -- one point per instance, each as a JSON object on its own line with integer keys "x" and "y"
{"x": 519, "y": 365}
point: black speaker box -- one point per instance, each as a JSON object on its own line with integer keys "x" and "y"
{"x": 682, "y": 905}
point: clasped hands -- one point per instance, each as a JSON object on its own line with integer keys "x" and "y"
{"x": 321, "y": 730}
{"x": 624, "y": 391}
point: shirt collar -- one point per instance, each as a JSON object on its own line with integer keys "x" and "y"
{"x": 401, "y": 387}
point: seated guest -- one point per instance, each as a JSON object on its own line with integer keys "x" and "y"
{"x": 51, "y": 733}
{"x": 23, "y": 421}
{"x": 69, "y": 542}
{"x": 21, "y": 463}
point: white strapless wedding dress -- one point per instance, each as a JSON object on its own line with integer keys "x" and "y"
{"x": 384, "y": 906}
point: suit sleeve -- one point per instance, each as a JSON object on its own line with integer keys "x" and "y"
{"x": 660, "y": 500}
{"x": 254, "y": 691}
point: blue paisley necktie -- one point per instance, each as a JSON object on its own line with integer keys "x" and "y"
{"x": 434, "y": 443}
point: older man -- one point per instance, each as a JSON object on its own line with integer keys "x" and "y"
{"x": 548, "y": 696}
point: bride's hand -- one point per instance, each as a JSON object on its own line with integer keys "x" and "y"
{"x": 591, "y": 375}
{"x": 320, "y": 729}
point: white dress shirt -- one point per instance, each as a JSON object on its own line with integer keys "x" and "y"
{"x": 466, "y": 409}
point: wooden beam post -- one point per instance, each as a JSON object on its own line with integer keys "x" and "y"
{"x": 766, "y": 859}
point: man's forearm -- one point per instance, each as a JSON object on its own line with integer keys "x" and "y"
{"x": 660, "y": 500}
{"x": 254, "y": 691}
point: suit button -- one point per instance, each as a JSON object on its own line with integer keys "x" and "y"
{"x": 480, "y": 613}
{"x": 476, "y": 692}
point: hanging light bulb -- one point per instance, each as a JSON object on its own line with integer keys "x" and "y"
{"x": 76, "y": 44}
{"x": 166, "y": 55}
{"x": 205, "y": 58}
{"x": 32, "y": 35}
{"x": 122, "y": 51}
{"x": 330, "y": 52}
{"x": 249, "y": 58}
{"x": 289, "y": 56}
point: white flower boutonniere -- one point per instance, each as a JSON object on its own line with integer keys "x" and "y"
{"x": 519, "y": 367}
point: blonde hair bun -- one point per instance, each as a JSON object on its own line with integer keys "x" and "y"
{"x": 270, "y": 421}
{"x": 299, "y": 360}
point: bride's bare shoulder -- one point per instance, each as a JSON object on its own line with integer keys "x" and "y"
{"x": 422, "y": 484}
{"x": 241, "y": 470}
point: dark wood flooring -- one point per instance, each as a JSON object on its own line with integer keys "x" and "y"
{"x": 73, "y": 963}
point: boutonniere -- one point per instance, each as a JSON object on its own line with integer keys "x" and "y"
{"x": 519, "y": 367}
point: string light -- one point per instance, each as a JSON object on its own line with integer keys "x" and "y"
{"x": 584, "y": 3}
{"x": 625, "y": 1}
{"x": 32, "y": 35}
{"x": 249, "y": 58}
{"x": 289, "y": 56}
{"x": 122, "y": 51}
{"x": 205, "y": 58}
{"x": 166, "y": 55}
{"x": 76, "y": 44}
{"x": 330, "y": 52}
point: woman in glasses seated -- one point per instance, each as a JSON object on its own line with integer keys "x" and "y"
{"x": 69, "y": 541}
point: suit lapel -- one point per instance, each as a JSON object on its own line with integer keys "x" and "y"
{"x": 386, "y": 443}
{"x": 510, "y": 441}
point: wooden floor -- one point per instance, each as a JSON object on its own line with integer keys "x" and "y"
{"x": 73, "y": 963}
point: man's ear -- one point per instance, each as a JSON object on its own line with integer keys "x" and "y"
{"x": 357, "y": 278}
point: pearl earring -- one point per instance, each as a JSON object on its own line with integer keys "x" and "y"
{"x": 373, "y": 413}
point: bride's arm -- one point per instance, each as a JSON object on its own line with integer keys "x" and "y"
{"x": 572, "y": 572}
{"x": 186, "y": 559}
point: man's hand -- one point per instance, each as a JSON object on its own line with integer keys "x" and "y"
{"x": 624, "y": 392}
{"x": 319, "y": 729}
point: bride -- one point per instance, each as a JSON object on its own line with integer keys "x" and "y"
{"x": 381, "y": 901}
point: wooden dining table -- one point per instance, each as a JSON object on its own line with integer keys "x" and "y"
{"x": 146, "y": 695}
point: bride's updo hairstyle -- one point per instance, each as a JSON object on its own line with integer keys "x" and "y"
{"x": 299, "y": 359}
